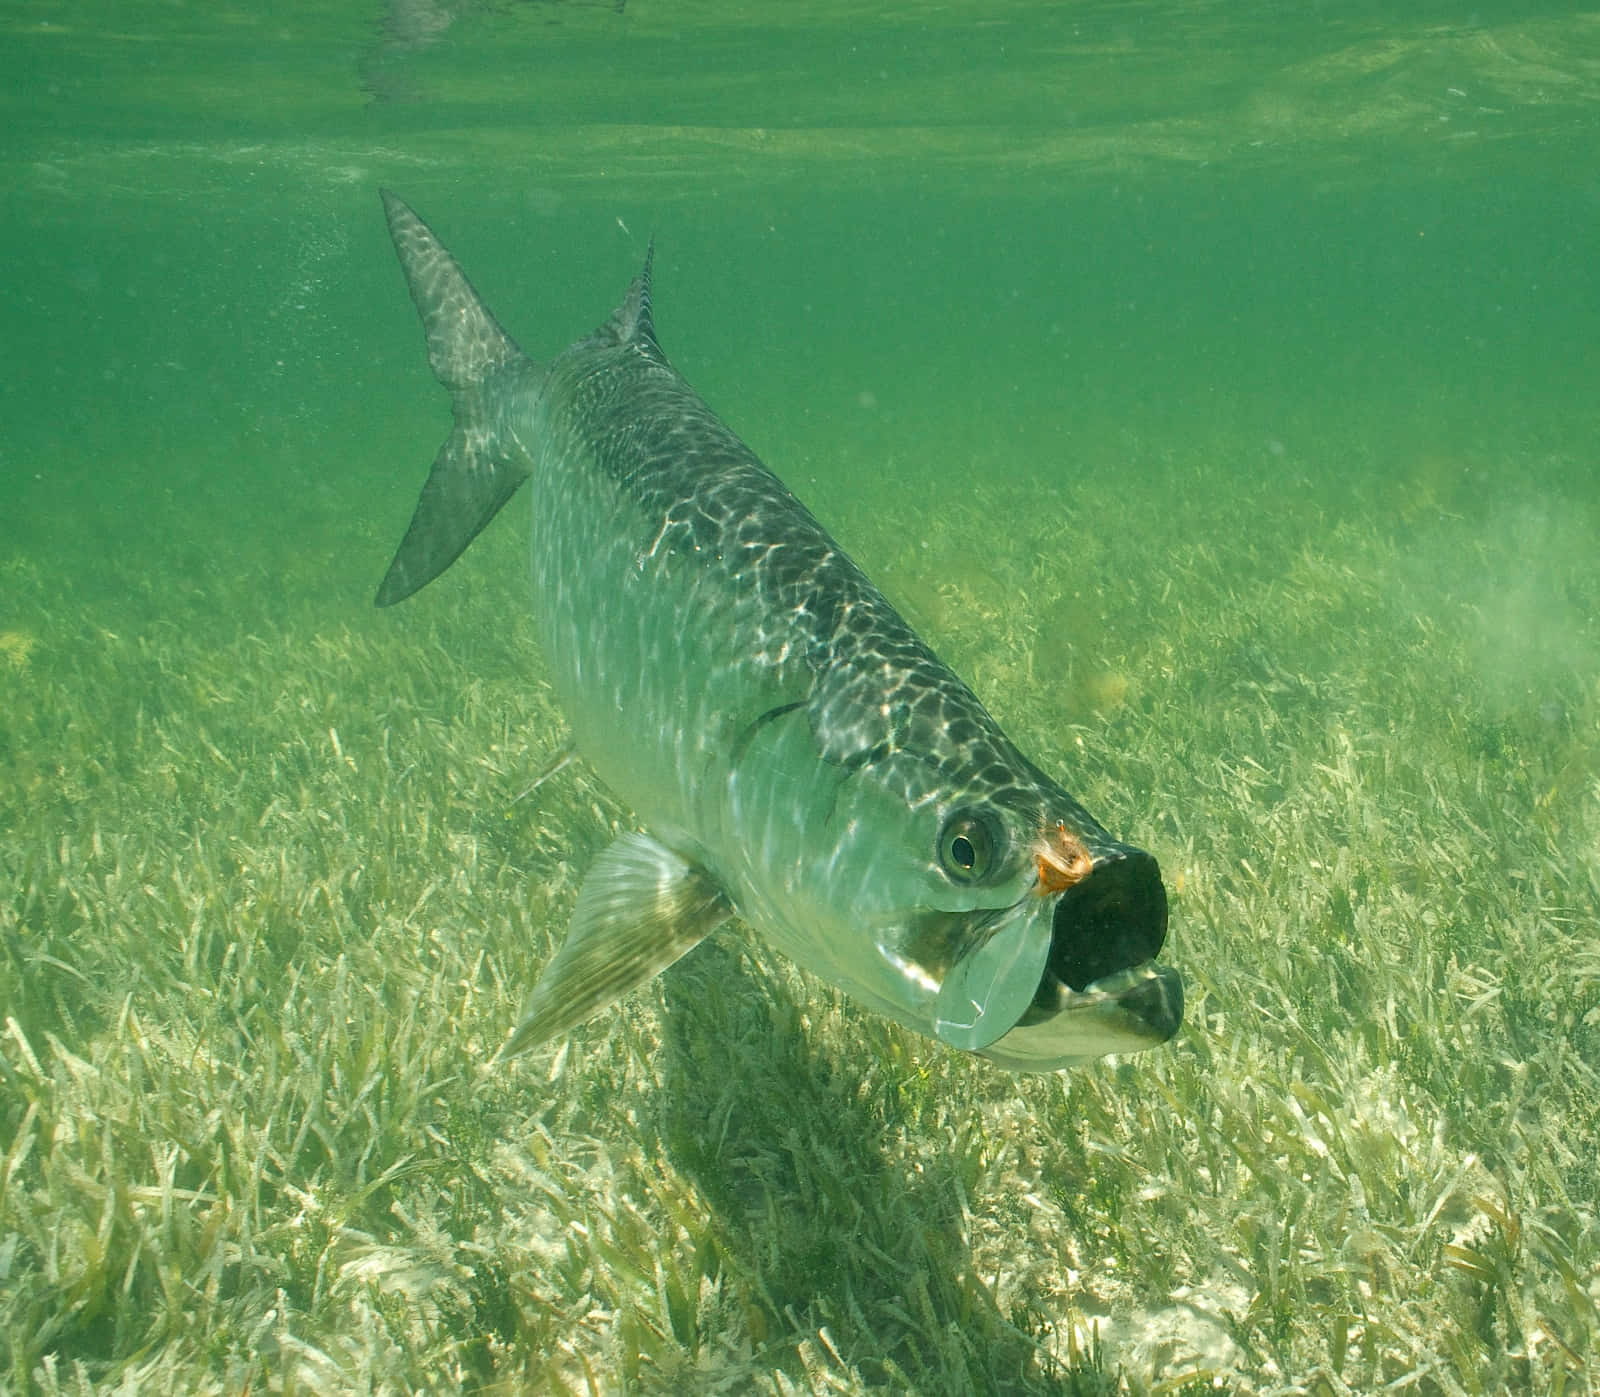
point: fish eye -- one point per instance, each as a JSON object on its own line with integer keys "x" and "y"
{"x": 968, "y": 846}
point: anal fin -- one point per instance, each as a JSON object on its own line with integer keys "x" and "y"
{"x": 640, "y": 908}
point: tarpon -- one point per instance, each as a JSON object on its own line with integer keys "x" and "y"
{"x": 795, "y": 755}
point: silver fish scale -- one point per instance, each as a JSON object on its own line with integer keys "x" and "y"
{"x": 789, "y": 615}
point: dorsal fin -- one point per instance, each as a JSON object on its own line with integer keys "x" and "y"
{"x": 630, "y": 322}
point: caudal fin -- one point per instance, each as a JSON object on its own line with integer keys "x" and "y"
{"x": 473, "y": 474}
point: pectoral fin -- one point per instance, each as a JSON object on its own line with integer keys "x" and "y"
{"x": 640, "y": 908}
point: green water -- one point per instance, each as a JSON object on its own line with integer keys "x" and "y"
{"x": 1215, "y": 386}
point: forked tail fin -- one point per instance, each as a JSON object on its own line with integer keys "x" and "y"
{"x": 475, "y": 472}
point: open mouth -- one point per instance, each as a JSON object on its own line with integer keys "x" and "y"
{"x": 1111, "y": 920}
{"x": 1101, "y": 990}
{"x": 1093, "y": 989}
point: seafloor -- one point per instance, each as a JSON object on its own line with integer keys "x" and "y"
{"x": 269, "y": 901}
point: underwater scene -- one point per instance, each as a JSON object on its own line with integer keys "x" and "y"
{"x": 1214, "y": 389}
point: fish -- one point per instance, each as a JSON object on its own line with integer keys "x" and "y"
{"x": 794, "y": 754}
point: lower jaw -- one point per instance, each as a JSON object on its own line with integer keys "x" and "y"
{"x": 1123, "y": 1012}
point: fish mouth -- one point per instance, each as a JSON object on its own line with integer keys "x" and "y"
{"x": 1101, "y": 990}
{"x": 1113, "y": 918}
